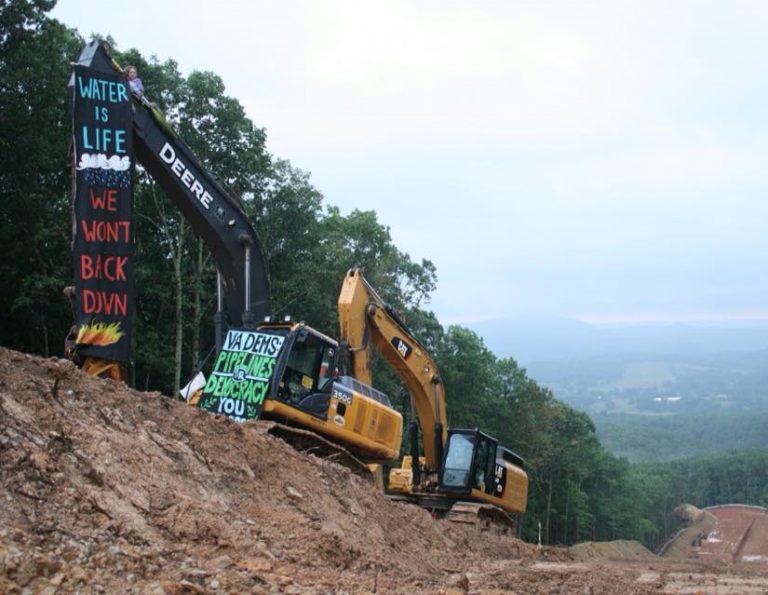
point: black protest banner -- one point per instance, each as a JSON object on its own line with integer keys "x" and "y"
{"x": 103, "y": 214}
{"x": 240, "y": 377}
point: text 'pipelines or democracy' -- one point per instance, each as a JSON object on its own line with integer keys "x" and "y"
{"x": 241, "y": 374}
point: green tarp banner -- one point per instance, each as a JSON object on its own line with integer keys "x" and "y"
{"x": 240, "y": 378}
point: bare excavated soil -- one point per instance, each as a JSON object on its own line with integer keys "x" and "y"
{"x": 730, "y": 534}
{"x": 110, "y": 490}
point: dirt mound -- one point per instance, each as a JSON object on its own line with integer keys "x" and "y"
{"x": 110, "y": 490}
{"x": 610, "y": 550}
{"x": 126, "y": 491}
{"x": 724, "y": 534}
{"x": 741, "y": 535}
{"x": 750, "y": 525}
{"x": 683, "y": 544}
{"x": 687, "y": 513}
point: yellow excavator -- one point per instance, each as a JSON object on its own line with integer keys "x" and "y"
{"x": 322, "y": 389}
{"x": 460, "y": 469}
{"x": 306, "y": 393}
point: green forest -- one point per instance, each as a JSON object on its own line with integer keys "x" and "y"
{"x": 645, "y": 438}
{"x": 659, "y": 385}
{"x": 578, "y": 490}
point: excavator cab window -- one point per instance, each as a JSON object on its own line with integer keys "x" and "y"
{"x": 327, "y": 367}
{"x": 482, "y": 477}
{"x": 470, "y": 458}
{"x": 458, "y": 461}
{"x": 301, "y": 370}
{"x": 310, "y": 366}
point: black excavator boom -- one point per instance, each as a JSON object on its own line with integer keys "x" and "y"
{"x": 212, "y": 212}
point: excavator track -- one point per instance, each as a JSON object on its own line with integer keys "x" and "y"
{"x": 484, "y": 516}
{"x": 311, "y": 443}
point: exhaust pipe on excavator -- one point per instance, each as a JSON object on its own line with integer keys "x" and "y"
{"x": 219, "y": 319}
{"x": 245, "y": 240}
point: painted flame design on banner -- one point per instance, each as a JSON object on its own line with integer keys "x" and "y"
{"x": 99, "y": 334}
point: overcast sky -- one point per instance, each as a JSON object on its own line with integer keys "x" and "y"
{"x": 602, "y": 160}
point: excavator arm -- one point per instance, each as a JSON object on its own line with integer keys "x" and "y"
{"x": 365, "y": 320}
{"x": 214, "y": 215}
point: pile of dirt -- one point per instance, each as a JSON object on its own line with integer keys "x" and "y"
{"x": 698, "y": 524}
{"x": 128, "y": 491}
{"x": 611, "y": 550}
{"x": 687, "y": 513}
{"x": 110, "y": 490}
{"x": 725, "y": 534}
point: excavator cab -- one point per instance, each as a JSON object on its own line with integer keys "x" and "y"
{"x": 305, "y": 371}
{"x": 305, "y": 392}
{"x": 469, "y": 461}
{"x": 476, "y": 467}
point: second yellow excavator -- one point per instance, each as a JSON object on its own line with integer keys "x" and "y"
{"x": 458, "y": 465}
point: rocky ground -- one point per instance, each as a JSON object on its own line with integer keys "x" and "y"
{"x": 110, "y": 490}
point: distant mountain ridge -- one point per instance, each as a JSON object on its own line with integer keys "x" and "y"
{"x": 654, "y": 391}
{"x": 529, "y": 339}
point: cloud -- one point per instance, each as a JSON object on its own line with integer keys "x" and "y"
{"x": 101, "y": 161}
{"x": 590, "y": 157}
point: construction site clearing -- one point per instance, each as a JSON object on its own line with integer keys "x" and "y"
{"x": 111, "y": 490}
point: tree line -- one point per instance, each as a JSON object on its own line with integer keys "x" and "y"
{"x": 643, "y": 438}
{"x": 578, "y": 490}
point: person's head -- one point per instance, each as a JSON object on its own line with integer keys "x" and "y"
{"x": 130, "y": 72}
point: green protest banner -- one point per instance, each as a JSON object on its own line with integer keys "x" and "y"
{"x": 240, "y": 378}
